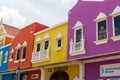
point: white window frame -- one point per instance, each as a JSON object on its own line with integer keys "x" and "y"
{"x": 6, "y": 57}
{"x": 18, "y": 47}
{"x": 48, "y": 43}
{"x": 101, "y": 17}
{"x": 59, "y": 36}
{"x": 23, "y": 46}
{"x": 78, "y": 26}
{"x": 11, "y": 55}
{"x": 46, "y": 38}
{"x": 38, "y": 41}
{"x": 1, "y": 53}
{"x": 116, "y": 12}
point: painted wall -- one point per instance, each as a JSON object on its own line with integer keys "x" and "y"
{"x": 25, "y": 34}
{"x": 72, "y": 71}
{"x": 94, "y": 68}
{"x": 34, "y": 75}
{"x": 4, "y": 52}
{"x": 86, "y": 12}
{"x": 55, "y": 56}
{"x": 8, "y": 76}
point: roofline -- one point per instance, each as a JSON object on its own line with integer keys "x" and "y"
{"x": 52, "y": 27}
{"x": 5, "y": 46}
{"x": 10, "y": 36}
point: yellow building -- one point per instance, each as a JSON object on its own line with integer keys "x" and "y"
{"x": 50, "y": 45}
{"x": 50, "y": 54}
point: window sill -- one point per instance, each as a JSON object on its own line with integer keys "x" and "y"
{"x": 16, "y": 61}
{"x": 103, "y": 41}
{"x": 58, "y": 48}
{"x": 10, "y": 60}
{"x": 77, "y": 52}
{"x": 22, "y": 60}
{"x": 115, "y": 38}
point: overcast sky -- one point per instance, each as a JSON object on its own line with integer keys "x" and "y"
{"x": 21, "y": 13}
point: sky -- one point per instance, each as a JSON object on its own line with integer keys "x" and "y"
{"x": 20, "y": 13}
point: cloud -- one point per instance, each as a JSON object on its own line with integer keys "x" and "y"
{"x": 11, "y": 16}
{"x": 67, "y": 1}
{"x": 92, "y": 0}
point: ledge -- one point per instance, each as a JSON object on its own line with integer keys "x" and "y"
{"x": 77, "y": 52}
{"x": 16, "y": 61}
{"x": 103, "y": 41}
{"x": 115, "y": 38}
{"x": 58, "y": 48}
{"x": 22, "y": 60}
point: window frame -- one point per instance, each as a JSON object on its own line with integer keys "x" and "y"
{"x": 75, "y": 33}
{"x": 59, "y": 37}
{"x": 115, "y": 38}
{"x": 24, "y": 46}
{"x": 1, "y": 53}
{"x": 37, "y": 46}
{"x": 101, "y": 17}
{"x": 11, "y": 55}
{"x": 48, "y": 44}
{"x": 17, "y": 48}
{"x": 6, "y": 57}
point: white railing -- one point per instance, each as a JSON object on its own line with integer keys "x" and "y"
{"x": 40, "y": 56}
{"x": 77, "y": 47}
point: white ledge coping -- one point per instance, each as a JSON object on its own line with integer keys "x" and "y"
{"x": 103, "y": 41}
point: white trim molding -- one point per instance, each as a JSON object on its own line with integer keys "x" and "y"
{"x": 38, "y": 40}
{"x": 46, "y": 37}
{"x": 115, "y": 13}
{"x": 18, "y": 46}
{"x": 101, "y": 17}
{"x": 24, "y": 44}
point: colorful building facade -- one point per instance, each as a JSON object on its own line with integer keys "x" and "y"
{"x": 21, "y": 51}
{"x": 7, "y": 33}
{"x": 50, "y": 45}
{"x": 4, "y": 52}
{"x": 94, "y": 38}
{"x": 50, "y": 54}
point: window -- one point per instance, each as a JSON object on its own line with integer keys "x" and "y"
{"x": 117, "y": 25}
{"x": 1, "y": 53}
{"x": 59, "y": 43}
{"x": 11, "y": 55}
{"x": 24, "y": 47}
{"x": 6, "y": 57}
{"x": 18, "y": 54}
{"x": 46, "y": 44}
{"x": 101, "y": 29}
{"x": 38, "y": 47}
{"x": 77, "y": 45}
{"x": 102, "y": 32}
{"x": 24, "y": 53}
{"x": 78, "y": 35}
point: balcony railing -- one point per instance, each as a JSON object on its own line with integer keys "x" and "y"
{"x": 77, "y": 47}
{"x": 40, "y": 56}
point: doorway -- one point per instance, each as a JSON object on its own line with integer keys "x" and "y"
{"x": 59, "y": 75}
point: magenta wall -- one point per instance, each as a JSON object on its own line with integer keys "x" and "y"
{"x": 86, "y": 12}
{"x": 92, "y": 70}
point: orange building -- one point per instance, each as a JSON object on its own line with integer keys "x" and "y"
{"x": 7, "y": 33}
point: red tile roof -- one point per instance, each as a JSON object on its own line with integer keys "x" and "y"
{"x": 10, "y": 30}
